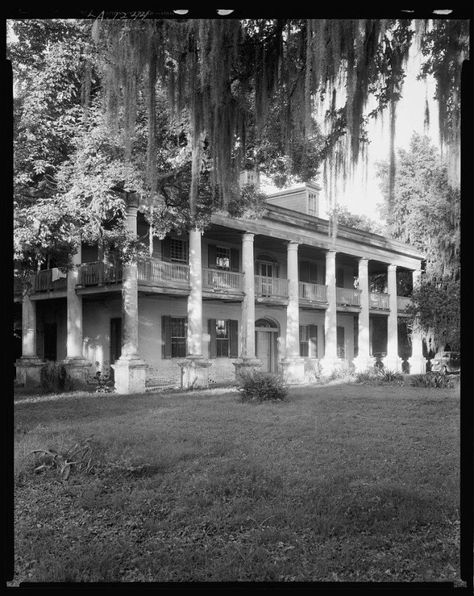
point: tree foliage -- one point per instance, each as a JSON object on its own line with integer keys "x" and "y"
{"x": 425, "y": 212}
{"x": 173, "y": 109}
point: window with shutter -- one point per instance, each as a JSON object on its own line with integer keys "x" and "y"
{"x": 233, "y": 339}
{"x": 174, "y": 335}
{"x": 222, "y": 338}
{"x": 304, "y": 341}
{"x": 234, "y": 259}
{"x": 313, "y": 341}
{"x": 340, "y": 277}
{"x": 212, "y": 338}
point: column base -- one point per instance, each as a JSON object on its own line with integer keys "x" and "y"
{"x": 129, "y": 375}
{"x": 417, "y": 365}
{"x": 78, "y": 370}
{"x": 363, "y": 363}
{"x": 293, "y": 370}
{"x": 194, "y": 372}
{"x": 246, "y": 366}
{"x": 330, "y": 365}
{"x": 393, "y": 363}
{"x": 28, "y": 371}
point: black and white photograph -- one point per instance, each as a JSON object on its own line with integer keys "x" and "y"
{"x": 236, "y": 318}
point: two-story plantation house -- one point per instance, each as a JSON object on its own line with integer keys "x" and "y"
{"x": 277, "y": 293}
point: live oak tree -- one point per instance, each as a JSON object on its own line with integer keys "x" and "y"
{"x": 424, "y": 211}
{"x": 173, "y": 109}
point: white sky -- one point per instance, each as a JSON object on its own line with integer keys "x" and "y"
{"x": 360, "y": 198}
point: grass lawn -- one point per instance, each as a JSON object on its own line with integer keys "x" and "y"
{"x": 340, "y": 483}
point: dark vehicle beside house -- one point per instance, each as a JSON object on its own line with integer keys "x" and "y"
{"x": 446, "y": 362}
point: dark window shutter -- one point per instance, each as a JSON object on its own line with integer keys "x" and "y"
{"x": 304, "y": 271}
{"x": 313, "y": 338}
{"x": 339, "y": 277}
{"x": 166, "y": 336}
{"x": 166, "y": 249}
{"x": 233, "y": 339}
{"x": 234, "y": 259}
{"x": 211, "y": 256}
{"x": 212, "y": 338}
{"x": 313, "y": 275}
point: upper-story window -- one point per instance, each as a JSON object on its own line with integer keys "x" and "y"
{"x": 222, "y": 257}
{"x": 313, "y": 204}
{"x": 178, "y": 250}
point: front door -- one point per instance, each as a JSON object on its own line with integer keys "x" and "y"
{"x": 266, "y": 350}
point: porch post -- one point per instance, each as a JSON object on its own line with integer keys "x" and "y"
{"x": 76, "y": 365}
{"x": 330, "y": 361}
{"x": 247, "y": 361}
{"x": 28, "y": 367}
{"x": 129, "y": 369}
{"x": 417, "y": 361}
{"x": 392, "y": 361}
{"x": 364, "y": 360}
{"x": 194, "y": 369}
{"x": 293, "y": 364}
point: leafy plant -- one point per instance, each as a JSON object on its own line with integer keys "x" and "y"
{"x": 379, "y": 376}
{"x": 104, "y": 383}
{"x": 80, "y": 456}
{"x": 54, "y": 378}
{"x": 433, "y": 379}
{"x": 262, "y": 387}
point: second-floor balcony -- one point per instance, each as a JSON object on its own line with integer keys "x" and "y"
{"x": 99, "y": 273}
{"x": 403, "y": 302}
{"x": 379, "y": 301}
{"x": 154, "y": 272}
{"x": 270, "y": 287}
{"x": 221, "y": 280}
{"x": 310, "y": 292}
{"x": 347, "y": 297}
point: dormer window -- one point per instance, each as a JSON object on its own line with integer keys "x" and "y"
{"x": 313, "y": 204}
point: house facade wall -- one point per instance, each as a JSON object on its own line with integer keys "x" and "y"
{"x": 103, "y": 303}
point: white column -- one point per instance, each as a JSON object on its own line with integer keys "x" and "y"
{"x": 194, "y": 369}
{"x": 293, "y": 308}
{"x": 28, "y": 327}
{"x": 247, "y": 362}
{"x": 330, "y": 361}
{"x": 74, "y": 311}
{"x": 392, "y": 361}
{"x": 363, "y": 360}
{"x": 248, "y": 302}
{"x": 293, "y": 364}
{"x": 195, "y": 295}
{"x": 130, "y": 370}
{"x": 75, "y": 363}
{"x": 130, "y": 293}
{"x": 417, "y": 361}
{"x": 28, "y": 367}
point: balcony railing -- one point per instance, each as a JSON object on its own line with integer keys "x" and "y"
{"x": 379, "y": 301}
{"x": 216, "y": 279}
{"x": 98, "y": 273}
{"x": 312, "y": 292}
{"x": 155, "y": 272}
{"x": 271, "y": 287}
{"x": 49, "y": 280}
{"x": 403, "y": 302}
{"x": 347, "y": 297}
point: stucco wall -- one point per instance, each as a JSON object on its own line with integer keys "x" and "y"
{"x": 96, "y": 315}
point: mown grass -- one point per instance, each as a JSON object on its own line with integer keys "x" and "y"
{"x": 339, "y": 483}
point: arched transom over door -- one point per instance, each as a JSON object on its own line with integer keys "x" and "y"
{"x": 266, "y": 344}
